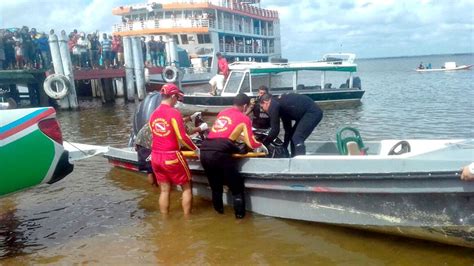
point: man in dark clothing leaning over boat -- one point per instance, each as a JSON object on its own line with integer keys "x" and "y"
{"x": 291, "y": 107}
{"x": 216, "y": 153}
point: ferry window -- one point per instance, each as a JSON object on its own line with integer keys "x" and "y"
{"x": 184, "y": 39}
{"x": 204, "y": 38}
{"x": 176, "y": 40}
{"x": 233, "y": 83}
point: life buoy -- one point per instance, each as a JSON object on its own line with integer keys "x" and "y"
{"x": 61, "y": 85}
{"x": 170, "y": 74}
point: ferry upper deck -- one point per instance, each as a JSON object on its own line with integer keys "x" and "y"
{"x": 240, "y": 29}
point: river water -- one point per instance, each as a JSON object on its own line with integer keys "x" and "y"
{"x": 103, "y": 215}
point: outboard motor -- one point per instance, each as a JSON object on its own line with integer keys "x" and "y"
{"x": 356, "y": 83}
{"x": 143, "y": 114}
{"x": 276, "y": 148}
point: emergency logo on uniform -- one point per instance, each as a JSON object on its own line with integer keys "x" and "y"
{"x": 160, "y": 127}
{"x": 221, "y": 124}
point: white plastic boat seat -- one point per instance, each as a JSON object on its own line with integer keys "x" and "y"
{"x": 352, "y": 148}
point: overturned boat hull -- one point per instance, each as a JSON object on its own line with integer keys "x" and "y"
{"x": 416, "y": 195}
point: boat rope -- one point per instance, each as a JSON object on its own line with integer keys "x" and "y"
{"x": 70, "y": 143}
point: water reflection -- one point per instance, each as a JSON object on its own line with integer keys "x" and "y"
{"x": 11, "y": 243}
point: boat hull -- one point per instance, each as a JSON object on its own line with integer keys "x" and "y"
{"x": 463, "y": 67}
{"x": 440, "y": 217}
{"x": 214, "y": 104}
{"x": 386, "y": 194}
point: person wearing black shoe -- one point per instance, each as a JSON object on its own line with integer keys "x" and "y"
{"x": 216, "y": 154}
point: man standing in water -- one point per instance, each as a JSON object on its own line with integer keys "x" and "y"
{"x": 291, "y": 107}
{"x": 168, "y": 163}
{"x": 217, "y": 150}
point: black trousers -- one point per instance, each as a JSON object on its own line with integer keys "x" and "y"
{"x": 221, "y": 169}
{"x": 301, "y": 131}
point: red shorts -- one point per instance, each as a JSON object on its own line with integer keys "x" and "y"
{"x": 170, "y": 167}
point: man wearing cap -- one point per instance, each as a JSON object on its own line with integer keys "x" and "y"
{"x": 216, "y": 153}
{"x": 168, "y": 163}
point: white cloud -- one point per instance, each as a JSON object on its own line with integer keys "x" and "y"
{"x": 84, "y": 15}
{"x": 376, "y": 28}
{"x": 369, "y": 28}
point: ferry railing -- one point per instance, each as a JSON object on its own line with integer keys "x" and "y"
{"x": 164, "y": 24}
{"x": 246, "y": 49}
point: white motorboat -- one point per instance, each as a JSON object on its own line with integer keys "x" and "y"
{"x": 448, "y": 66}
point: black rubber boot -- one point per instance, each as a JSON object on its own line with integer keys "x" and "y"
{"x": 300, "y": 149}
{"x": 217, "y": 202}
{"x": 239, "y": 206}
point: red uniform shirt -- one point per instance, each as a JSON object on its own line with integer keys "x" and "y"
{"x": 223, "y": 66}
{"x": 231, "y": 123}
{"x": 168, "y": 130}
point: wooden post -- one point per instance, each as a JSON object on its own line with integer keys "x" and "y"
{"x": 107, "y": 91}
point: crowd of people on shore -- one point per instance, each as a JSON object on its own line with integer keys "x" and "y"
{"x": 24, "y": 48}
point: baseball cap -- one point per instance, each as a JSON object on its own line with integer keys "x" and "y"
{"x": 171, "y": 89}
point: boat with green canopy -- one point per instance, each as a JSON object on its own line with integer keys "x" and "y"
{"x": 284, "y": 77}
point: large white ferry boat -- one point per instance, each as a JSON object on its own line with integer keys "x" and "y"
{"x": 239, "y": 29}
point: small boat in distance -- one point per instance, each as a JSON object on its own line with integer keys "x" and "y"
{"x": 448, "y": 66}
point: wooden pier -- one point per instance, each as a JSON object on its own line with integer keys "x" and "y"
{"x": 26, "y": 86}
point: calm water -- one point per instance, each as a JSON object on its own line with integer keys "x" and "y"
{"x": 103, "y": 215}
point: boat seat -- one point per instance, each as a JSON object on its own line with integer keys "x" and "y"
{"x": 353, "y": 148}
{"x": 345, "y": 142}
{"x": 344, "y": 86}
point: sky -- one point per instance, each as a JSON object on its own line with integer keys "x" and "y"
{"x": 309, "y": 28}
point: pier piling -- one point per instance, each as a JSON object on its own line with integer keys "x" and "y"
{"x": 128, "y": 54}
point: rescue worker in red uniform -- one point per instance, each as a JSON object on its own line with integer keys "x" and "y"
{"x": 168, "y": 163}
{"x": 216, "y": 153}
